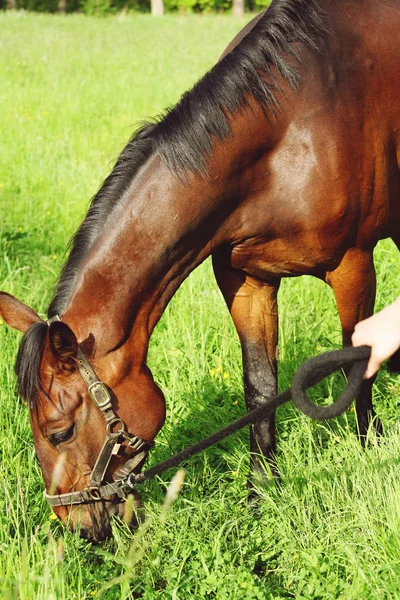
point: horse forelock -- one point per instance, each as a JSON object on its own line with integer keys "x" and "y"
{"x": 27, "y": 366}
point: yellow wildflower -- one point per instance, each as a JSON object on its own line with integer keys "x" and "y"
{"x": 212, "y": 372}
{"x": 53, "y": 517}
{"x": 19, "y": 228}
{"x": 54, "y": 256}
{"x": 1, "y": 185}
{"x": 218, "y": 369}
{"x": 235, "y": 402}
{"x": 226, "y": 376}
{"x": 48, "y": 212}
{"x": 234, "y": 472}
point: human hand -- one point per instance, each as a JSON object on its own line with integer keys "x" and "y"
{"x": 382, "y": 333}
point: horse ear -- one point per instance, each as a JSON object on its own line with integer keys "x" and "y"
{"x": 63, "y": 344}
{"x": 16, "y": 314}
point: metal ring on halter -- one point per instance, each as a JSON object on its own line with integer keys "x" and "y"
{"x": 94, "y": 493}
{"x": 131, "y": 480}
{"x": 110, "y": 424}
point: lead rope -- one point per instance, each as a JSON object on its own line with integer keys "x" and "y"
{"x": 311, "y": 372}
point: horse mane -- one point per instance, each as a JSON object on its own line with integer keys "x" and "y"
{"x": 184, "y": 135}
{"x": 133, "y": 156}
{"x": 183, "y": 138}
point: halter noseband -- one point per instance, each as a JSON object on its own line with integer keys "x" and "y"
{"x": 116, "y": 434}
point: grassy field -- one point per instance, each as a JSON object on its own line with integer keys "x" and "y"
{"x": 71, "y": 91}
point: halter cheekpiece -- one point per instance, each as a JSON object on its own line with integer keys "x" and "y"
{"x": 116, "y": 434}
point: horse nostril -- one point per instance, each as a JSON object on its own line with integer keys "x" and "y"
{"x": 84, "y": 533}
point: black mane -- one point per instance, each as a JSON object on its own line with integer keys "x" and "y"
{"x": 183, "y": 138}
{"x": 184, "y": 135}
{"x": 132, "y": 157}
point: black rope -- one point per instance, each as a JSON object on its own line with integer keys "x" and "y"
{"x": 310, "y": 373}
{"x": 317, "y": 368}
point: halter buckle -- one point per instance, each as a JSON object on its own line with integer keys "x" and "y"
{"x": 99, "y": 394}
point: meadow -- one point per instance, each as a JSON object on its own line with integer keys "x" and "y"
{"x": 72, "y": 89}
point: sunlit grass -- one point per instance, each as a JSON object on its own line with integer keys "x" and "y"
{"x": 72, "y": 90}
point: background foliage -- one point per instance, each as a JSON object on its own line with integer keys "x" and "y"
{"x": 72, "y": 89}
{"x": 104, "y": 7}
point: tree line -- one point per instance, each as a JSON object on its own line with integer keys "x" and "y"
{"x": 155, "y": 7}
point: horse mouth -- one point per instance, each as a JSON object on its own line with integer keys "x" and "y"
{"x": 93, "y": 521}
{"x": 91, "y": 514}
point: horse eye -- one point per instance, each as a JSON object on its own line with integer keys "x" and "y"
{"x": 62, "y": 436}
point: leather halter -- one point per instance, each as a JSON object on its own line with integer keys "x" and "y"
{"x": 116, "y": 434}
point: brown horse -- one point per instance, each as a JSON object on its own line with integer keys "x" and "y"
{"x": 283, "y": 160}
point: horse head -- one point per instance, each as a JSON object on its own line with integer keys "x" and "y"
{"x": 87, "y": 440}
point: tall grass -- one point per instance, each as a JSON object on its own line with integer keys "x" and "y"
{"x": 72, "y": 89}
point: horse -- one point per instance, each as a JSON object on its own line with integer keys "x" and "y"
{"x": 283, "y": 160}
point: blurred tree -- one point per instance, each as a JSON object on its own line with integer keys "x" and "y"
{"x": 238, "y": 7}
{"x": 157, "y": 7}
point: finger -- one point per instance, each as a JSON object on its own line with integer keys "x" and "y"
{"x": 372, "y": 368}
{"x": 358, "y": 339}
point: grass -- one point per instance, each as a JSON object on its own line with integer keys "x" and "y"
{"x": 72, "y": 89}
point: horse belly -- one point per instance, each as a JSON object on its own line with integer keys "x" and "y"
{"x": 272, "y": 259}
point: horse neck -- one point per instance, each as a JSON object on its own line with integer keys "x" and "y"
{"x": 161, "y": 230}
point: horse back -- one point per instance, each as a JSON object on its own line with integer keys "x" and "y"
{"x": 326, "y": 174}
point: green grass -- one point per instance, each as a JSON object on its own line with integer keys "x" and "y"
{"x": 71, "y": 91}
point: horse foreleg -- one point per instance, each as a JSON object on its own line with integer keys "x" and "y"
{"x": 354, "y": 286}
{"x": 253, "y": 307}
{"x": 396, "y": 239}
